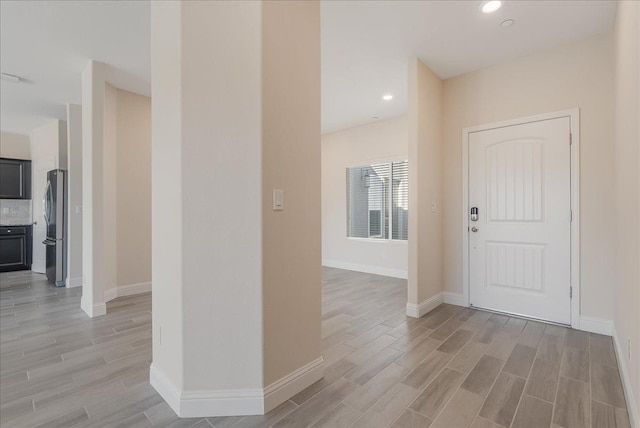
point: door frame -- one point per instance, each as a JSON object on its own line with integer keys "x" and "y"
{"x": 574, "y": 120}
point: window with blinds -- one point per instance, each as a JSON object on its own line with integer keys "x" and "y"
{"x": 378, "y": 201}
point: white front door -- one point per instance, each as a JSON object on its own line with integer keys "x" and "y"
{"x": 520, "y": 246}
{"x": 40, "y": 169}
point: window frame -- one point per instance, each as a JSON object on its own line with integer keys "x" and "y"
{"x": 360, "y": 164}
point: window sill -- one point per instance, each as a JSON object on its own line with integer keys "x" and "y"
{"x": 379, "y": 240}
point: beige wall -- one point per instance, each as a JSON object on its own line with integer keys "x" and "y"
{"x": 223, "y": 138}
{"x": 109, "y": 169}
{"x": 221, "y": 195}
{"x": 291, "y": 246}
{"x": 93, "y": 93}
{"x": 627, "y": 197}
{"x": 14, "y": 146}
{"x": 46, "y": 141}
{"x": 425, "y": 178}
{"x": 74, "y": 190}
{"x": 127, "y": 190}
{"x": 576, "y": 75}
{"x": 166, "y": 192}
{"x": 378, "y": 141}
{"x": 133, "y": 189}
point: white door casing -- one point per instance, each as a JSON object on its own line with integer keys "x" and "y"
{"x": 40, "y": 169}
{"x": 519, "y": 176}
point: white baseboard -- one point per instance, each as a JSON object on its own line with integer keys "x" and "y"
{"x": 238, "y": 402}
{"x": 376, "y": 270}
{"x": 164, "y": 387}
{"x": 131, "y": 289}
{"x": 281, "y": 390}
{"x": 74, "y": 282}
{"x": 632, "y": 408}
{"x": 596, "y": 325}
{"x": 416, "y": 311}
{"x": 198, "y": 404}
{"x": 453, "y": 298}
{"x": 126, "y": 290}
{"x": 93, "y": 310}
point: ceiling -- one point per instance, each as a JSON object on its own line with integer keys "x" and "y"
{"x": 49, "y": 43}
{"x": 366, "y": 45}
{"x": 365, "y": 49}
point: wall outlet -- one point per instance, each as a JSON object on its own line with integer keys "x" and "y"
{"x": 629, "y": 347}
{"x": 434, "y": 206}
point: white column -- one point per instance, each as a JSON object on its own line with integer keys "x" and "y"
{"x": 236, "y": 286}
{"x": 74, "y": 189}
{"x": 93, "y": 87}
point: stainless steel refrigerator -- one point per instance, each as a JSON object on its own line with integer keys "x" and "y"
{"x": 55, "y": 219}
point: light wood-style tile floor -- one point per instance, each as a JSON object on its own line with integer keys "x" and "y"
{"x": 455, "y": 367}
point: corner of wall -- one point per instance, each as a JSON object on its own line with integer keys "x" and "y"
{"x": 425, "y": 286}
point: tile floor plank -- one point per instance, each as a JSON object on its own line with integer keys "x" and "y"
{"x": 435, "y": 396}
{"x": 572, "y": 405}
{"x": 532, "y": 412}
{"x": 543, "y": 380}
{"x": 483, "y": 375}
{"x": 456, "y": 365}
{"x": 520, "y": 361}
{"x": 502, "y": 401}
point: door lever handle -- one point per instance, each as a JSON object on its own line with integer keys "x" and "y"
{"x": 474, "y": 229}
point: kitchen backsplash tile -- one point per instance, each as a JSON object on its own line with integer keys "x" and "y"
{"x": 15, "y": 211}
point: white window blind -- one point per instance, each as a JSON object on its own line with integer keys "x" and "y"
{"x": 377, "y": 201}
{"x": 400, "y": 200}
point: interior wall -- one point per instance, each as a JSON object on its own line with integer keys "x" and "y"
{"x": 133, "y": 190}
{"x": 14, "y": 146}
{"x": 627, "y": 200}
{"x": 575, "y": 75}
{"x": 366, "y": 144}
{"x": 93, "y": 88}
{"x": 45, "y": 142}
{"x": 291, "y": 239}
{"x": 109, "y": 168}
{"x": 221, "y": 194}
{"x": 425, "y": 112}
{"x": 166, "y": 194}
{"x": 223, "y": 139}
{"x": 74, "y": 188}
{"x": 127, "y": 192}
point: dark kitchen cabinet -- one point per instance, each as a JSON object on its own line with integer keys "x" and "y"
{"x": 15, "y": 179}
{"x": 15, "y": 248}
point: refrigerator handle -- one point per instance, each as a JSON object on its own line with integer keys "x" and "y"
{"x": 45, "y": 202}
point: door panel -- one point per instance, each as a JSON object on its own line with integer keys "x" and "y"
{"x": 520, "y": 252}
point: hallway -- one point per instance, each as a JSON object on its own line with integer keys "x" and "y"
{"x": 454, "y": 367}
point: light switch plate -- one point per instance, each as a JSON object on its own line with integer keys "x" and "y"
{"x": 278, "y": 199}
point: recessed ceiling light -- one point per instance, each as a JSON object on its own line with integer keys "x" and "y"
{"x": 10, "y": 78}
{"x": 374, "y": 117}
{"x": 507, "y": 23}
{"x": 387, "y": 97}
{"x": 490, "y": 6}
